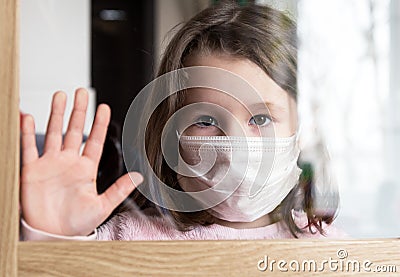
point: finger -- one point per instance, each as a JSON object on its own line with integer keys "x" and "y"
{"x": 73, "y": 137}
{"x": 119, "y": 191}
{"x": 29, "y": 148}
{"x": 53, "y": 139}
{"x": 94, "y": 144}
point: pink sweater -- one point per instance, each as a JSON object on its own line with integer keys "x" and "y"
{"x": 136, "y": 226}
{"x": 130, "y": 226}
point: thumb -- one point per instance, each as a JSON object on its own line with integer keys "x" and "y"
{"x": 120, "y": 190}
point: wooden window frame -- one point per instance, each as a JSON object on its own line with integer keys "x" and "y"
{"x": 133, "y": 258}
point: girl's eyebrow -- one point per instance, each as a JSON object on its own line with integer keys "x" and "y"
{"x": 269, "y": 105}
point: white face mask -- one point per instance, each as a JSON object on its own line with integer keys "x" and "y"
{"x": 247, "y": 177}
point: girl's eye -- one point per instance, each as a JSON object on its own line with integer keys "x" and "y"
{"x": 206, "y": 121}
{"x": 260, "y": 120}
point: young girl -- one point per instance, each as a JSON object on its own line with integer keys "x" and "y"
{"x": 245, "y": 195}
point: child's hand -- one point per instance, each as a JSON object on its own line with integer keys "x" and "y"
{"x": 58, "y": 190}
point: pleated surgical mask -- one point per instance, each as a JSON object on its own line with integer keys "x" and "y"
{"x": 247, "y": 176}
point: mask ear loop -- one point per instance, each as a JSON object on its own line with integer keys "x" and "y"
{"x": 298, "y": 134}
{"x": 297, "y": 145}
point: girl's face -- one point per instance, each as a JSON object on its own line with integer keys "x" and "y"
{"x": 276, "y": 113}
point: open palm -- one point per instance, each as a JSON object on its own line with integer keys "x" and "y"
{"x": 58, "y": 189}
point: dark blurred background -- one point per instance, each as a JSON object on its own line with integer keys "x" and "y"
{"x": 122, "y": 44}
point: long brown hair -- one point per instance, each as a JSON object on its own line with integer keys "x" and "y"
{"x": 266, "y": 37}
